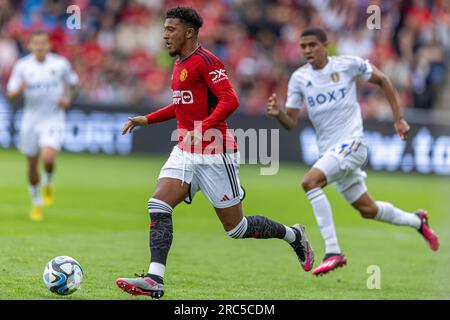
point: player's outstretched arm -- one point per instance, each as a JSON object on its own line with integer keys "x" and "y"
{"x": 134, "y": 122}
{"x": 382, "y": 80}
{"x": 160, "y": 115}
{"x": 287, "y": 117}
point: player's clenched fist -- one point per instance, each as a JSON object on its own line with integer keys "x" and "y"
{"x": 402, "y": 128}
{"x": 272, "y": 107}
{"x": 64, "y": 102}
{"x": 134, "y": 122}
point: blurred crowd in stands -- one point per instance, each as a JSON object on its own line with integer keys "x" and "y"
{"x": 121, "y": 59}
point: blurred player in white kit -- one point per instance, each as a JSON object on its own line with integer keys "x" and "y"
{"x": 47, "y": 83}
{"x": 326, "y": 85}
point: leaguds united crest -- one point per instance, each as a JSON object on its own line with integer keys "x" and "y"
{"x": 335, "y": 76}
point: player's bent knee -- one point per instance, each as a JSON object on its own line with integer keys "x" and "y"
{"x": 48, "y": 160}
{"x": 309, "y": 183}
{"x": 48, "y": 155}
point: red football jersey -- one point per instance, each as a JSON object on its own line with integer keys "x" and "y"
{"x": 201, "y": 91}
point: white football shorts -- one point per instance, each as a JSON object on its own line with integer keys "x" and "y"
{"x": 216, "y": 175}
{"x": 342, "y": 166}
{"x": 37, "y": 135}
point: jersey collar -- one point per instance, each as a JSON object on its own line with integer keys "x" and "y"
{"x": 187, "y": 57}
{"x": 40, "y": 62}
{"x": 325, "y": 67}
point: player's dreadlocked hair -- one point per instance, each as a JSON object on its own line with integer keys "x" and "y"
{"x": 317, "y": 32}
{"x": 187, "y": 15}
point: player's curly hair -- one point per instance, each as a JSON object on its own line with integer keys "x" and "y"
{"x": 317, "y": 32}
{"x": 187, "y": 15}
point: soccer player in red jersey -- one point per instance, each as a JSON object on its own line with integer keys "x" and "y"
{"x": 206, "y": 157}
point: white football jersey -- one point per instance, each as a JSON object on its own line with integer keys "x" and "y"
{"x": 45, "y": 83}
{"x": 330, "y": 97}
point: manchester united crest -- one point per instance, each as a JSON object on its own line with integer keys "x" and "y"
{"x": 183, "y": 75}
{"x": 335, "y": 76}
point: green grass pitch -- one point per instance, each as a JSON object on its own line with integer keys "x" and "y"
{"x": 100, "y": 219}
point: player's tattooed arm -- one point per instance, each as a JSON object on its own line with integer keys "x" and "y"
{"x": 382, "y": 80}
{"x": 287, "y": 117}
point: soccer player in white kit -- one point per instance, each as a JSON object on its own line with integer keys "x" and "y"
{"x": 327, "y": 86}
{"x": 47, "y": 83}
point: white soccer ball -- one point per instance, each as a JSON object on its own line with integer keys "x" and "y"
{"x": 63, "y": 275}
